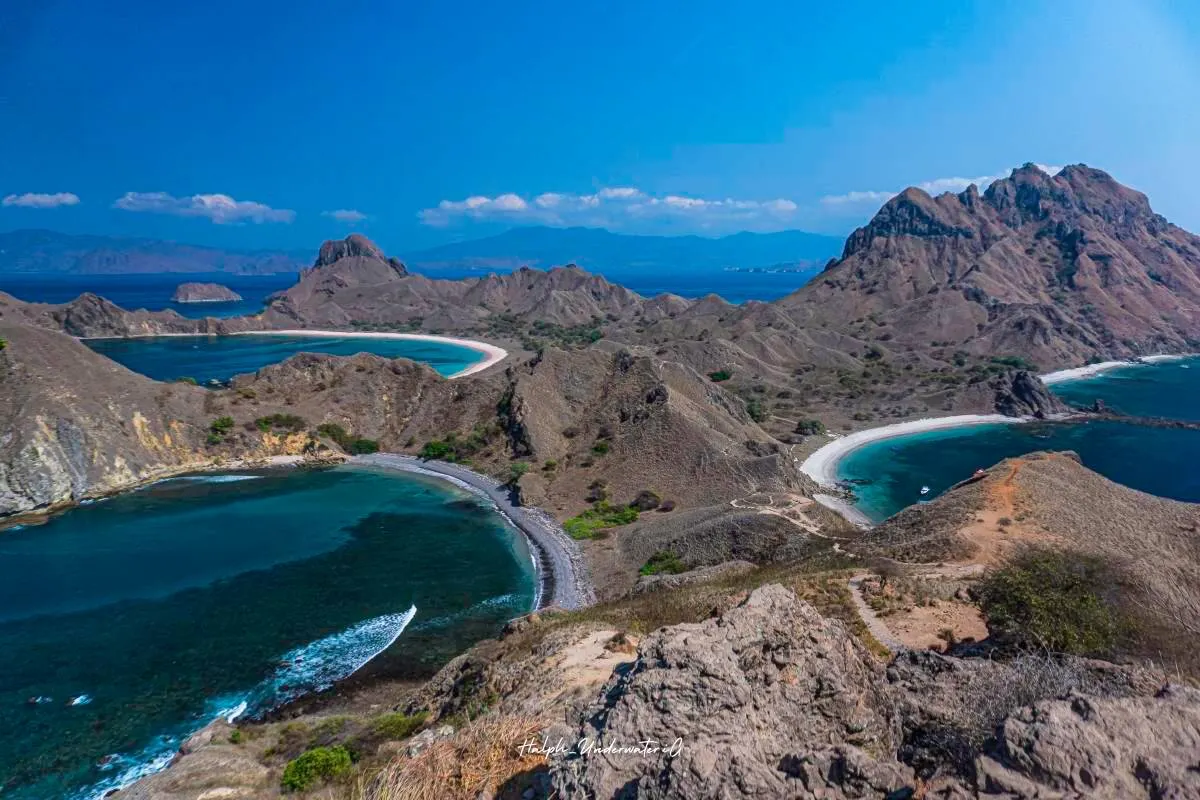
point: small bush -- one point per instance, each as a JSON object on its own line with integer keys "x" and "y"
{"x": 1055, "y": 600}
{"x": 437, "y": 450}
{"x": 720, "y": 375}
{"x": 756, "y": 410}
{"x": 221, "y": 426}
{"x": 516, "y": 471}
{"x": 600, "y": 516}
{"x": 186, "y": 379}
{"x": 664, "y": 562}
{"x": 600, "y": 448}
{"x": 313, "y": 766}
{"x": 354, "y": 445}
{"x": 398, "y": 726}
{"x": 810, "y": 427}
{"x": 283, "y": 422}
{"x": 646, "y": 500}
{"x": 550, "y": 465}
{"x": 236, "y": 737}
{"x": 362, "y": 447}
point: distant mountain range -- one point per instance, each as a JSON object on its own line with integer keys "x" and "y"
{"x": 599, "y": 250}
{"x": 50, "y": 252}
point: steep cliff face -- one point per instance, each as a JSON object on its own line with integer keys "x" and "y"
{"x": 76, "y": 424}
{"x": 1053, "y": 268}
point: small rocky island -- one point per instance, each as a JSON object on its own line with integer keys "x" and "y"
{"x": 204, "y": 293}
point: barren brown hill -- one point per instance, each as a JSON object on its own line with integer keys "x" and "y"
{"x": 353, "y": 282}
{"x": 1050, "y": 499}
{"x": 1055, "y": 269}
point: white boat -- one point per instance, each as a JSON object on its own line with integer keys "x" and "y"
{"x": 924, "y": 490}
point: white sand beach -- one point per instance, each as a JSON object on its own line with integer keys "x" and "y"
{"x": 492, "y": 353}
{"x": 821, "y": 466}
{"x": 1092, "y": 370}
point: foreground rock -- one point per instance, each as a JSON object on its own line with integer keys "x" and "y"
{"x": 204, "y": 293}
{"x": 770, "y": 700}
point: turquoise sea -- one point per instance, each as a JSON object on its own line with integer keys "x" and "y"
{"x": 890, "y": 474}
{"x": 219, "y": 358}
{"x": 127, "y": 623}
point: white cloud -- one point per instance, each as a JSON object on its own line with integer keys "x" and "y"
{"x": 347, "y": 215}
{"x": 616, "y": 207}
{"x": 935, "y": 187}
{"x": 33, "y": 200}
{"x": 218, "y": 208}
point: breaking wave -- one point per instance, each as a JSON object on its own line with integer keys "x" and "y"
{"x": 311, "y": 668}
{"x": 219, "y": 478}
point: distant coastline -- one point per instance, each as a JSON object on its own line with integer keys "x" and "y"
{"x": 493, "y": 354}
{"x": 1094, "y": 370}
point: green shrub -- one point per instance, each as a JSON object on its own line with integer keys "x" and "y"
{"x": 236, "y": 737}
{"x": 284, "y": 422}
{"x": 362, "y": 447}
{"x": 437, "y": 450}
{"x": 720, "y": 375}
{"x": 810, "y": 427}
{"x": 1055, "y": 600}
{"x": 3, "y": 343}
{"x": 398, "y": 726}
{"x": 186, "y": 379}
{"x": 646, "y": 500}
{"x": 354, "y": 445}
{"x": 600, "y": 448}
{"x": 756, "y": 410}
{"x": 664, "y": 562}
{"x": 221, "y": 425}
{"x": 600, "y": 516}
{"x": 313, "y": 766}
{"x": 515, "y": 471}
{"x": 1016, "y": 362}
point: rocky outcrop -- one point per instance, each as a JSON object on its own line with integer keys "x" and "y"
{"x": 1088, "y": 747}
{"x": 204, "y": 293}
{"x": 769, "y": 700}
{"x": 1022, "y": 394}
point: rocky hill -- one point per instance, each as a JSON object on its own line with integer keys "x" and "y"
{"x": 1151, "y": 544}
{"x": 352, "y": 282}
{"x": 1055, "y": 269}
{"x": 193, "y": 292}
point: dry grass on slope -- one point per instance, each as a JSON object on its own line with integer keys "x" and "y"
{"x": 483, "y": 758}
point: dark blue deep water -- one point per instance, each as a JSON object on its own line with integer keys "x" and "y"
{"x": 1161, "y": 461}
{"x": 151, "y": 291}
{"x": 207, "y": 358}
{"x": 162, "y": 608}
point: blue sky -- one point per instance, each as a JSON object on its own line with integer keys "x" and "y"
{"x": 253, "y": 124}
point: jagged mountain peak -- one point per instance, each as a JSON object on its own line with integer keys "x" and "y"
{"x": 354, "y": 246}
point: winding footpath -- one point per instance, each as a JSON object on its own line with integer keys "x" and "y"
{"x": 562, "y": 571}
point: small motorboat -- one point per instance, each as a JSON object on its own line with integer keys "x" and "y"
{"x": 924, "y": 490}
{"x": 80, "y": 700}
{"x": 39, "y": 700}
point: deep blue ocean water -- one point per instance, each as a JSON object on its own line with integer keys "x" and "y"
{"x": 206, "y": 358}
{"x": 1160, "y": 461}
{"x": 210, "y": 594}
{"x": 153, "y": 291}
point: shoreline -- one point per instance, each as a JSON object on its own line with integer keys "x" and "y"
{"x": 1095, "y": 370}
{"x": 821, "y": 466}
{"x": 561, "y": 571}
{"x": 43, "y": 514}
{"x": 492, "y": 354}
